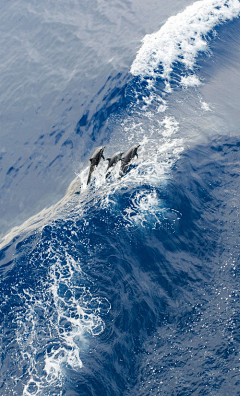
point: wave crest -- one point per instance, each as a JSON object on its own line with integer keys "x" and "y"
{"x": 181, "y": 39}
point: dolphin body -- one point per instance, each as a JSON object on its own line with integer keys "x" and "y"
{"x": 94, "y": 161}
{"x": 113, "y": 160}
{"x": 127, "y": 158}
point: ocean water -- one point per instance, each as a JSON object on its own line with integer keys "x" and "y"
{"x": 128, "y": 286}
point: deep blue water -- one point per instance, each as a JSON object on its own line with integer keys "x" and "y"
{"x": 131, "y": 286}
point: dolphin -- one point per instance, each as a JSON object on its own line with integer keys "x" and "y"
{"x": 126, "y": 159}
{"x": 113, "y": 160}
{"x": 94, "y": 161}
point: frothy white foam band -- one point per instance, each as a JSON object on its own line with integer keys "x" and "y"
{"x": 181, "y": 38}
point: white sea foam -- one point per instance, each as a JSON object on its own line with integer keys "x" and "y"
{"x": 63, "y": 314}
{"x": 205, "y": 106}
{"x": 181, "y": 39}
{"x": 190, "y": 81}
{"x": 146, "y": 209}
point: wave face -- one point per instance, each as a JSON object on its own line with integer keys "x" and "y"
{"x": 131, "y": 286}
